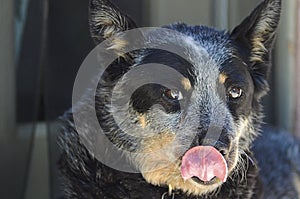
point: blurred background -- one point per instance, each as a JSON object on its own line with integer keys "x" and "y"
{"x": 42, "y": 45}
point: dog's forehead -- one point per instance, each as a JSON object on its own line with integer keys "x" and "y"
{"x": 205, "y": 48}
{"x": 197, "y": 52}
{"x": 216, "y": 43}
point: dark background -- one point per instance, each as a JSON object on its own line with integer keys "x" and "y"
{"x": 49, "y": 65}
{"x": 53, "y": 47}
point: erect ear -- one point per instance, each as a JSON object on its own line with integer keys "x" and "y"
{"x": 255, "y": 37}
{"x": 106, "y": 20}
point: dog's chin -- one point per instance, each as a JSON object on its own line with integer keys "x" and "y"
{"x": 190, "y": 186}
{"x": 202, "y": 188}
{"x": 159, "y": 169}
{"x": 171, "y": 177}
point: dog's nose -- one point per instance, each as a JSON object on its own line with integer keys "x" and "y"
{"x": 222, "y": 143}
{"x": 219, "y": 145}
{"x": 222, "y": 148}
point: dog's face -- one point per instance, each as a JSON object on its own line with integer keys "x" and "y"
{"x": 195, "y": 133}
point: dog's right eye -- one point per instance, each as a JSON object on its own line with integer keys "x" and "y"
{"x": 235, "y": 93}
{"x": 173, "y": 94}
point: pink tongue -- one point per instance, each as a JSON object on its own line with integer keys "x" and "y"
{"x": 204, "y": 162}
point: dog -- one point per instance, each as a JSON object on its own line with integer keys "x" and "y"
{"x": 197, "y": 140}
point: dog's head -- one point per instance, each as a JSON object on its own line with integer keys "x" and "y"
{"x": 195, "y": 133}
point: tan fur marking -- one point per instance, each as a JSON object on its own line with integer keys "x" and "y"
{"x": 171, "y": 175}
{"x": 103, "y": 20}
{"x": 233, "y": 164}
{"x": 170, "y": 189}
{"x": 159, "y": 165}
{"x": 297, "y": 183}
{"x": 242, "y": 127}
{"x": 258, "y": 50}
{"x": 222, "y": 78}
{"x": 186, "y": 84}
{"x": 143, "y": 121}
{"x": 263, "y": 32}
{"x": 156, "y": 143}
{"x": 118, "y": 45}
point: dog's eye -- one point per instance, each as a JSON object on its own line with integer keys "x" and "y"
{"x": 235, "y": 93}
{"x": 173, "y": 94}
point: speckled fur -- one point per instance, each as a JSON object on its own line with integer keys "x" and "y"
{"x": 242, "y": 56}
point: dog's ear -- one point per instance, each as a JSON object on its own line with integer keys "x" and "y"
{"x": 255, "y": 38}
{"x": 106, "y": 20}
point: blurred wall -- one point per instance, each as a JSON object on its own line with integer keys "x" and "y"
{"x": 205, "y": 12}
{"x": 163, "y": 12}
{"x": 7, "y": 69}
{"x": 285, "y": 70}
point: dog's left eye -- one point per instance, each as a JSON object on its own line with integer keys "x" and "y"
{"x": 235, "y": 93}
{"x": 173, "y": 94}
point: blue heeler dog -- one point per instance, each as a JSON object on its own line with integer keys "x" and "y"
{"x": 198, "y": 139}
